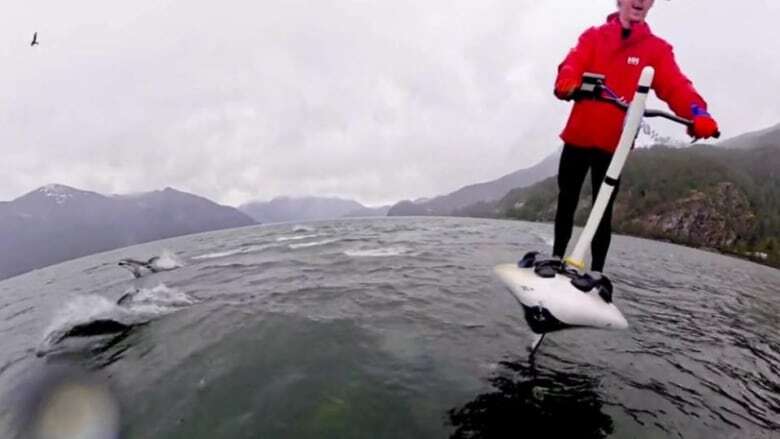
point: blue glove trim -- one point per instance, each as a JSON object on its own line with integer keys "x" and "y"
{"x": 698, "y": 111}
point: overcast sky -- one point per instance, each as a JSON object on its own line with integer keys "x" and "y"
{"x": 378, "y": 101}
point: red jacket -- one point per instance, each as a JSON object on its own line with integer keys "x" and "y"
{"x": 603, "y": 50}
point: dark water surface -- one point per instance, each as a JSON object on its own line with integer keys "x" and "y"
{"x": 398, "y": 328}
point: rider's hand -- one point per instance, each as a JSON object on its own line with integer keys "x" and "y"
{"x": 566, "y": 86}
{"x": 704, "y": 125}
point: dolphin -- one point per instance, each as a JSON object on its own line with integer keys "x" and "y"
{"x": 106, "y": 327}
{"x": 96, "y": 327}
{"x": 135, "y": 266}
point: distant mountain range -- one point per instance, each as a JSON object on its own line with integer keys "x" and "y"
{"x": 283, "y": 209}
{"x": 461, "y": 201}
{"x": 55, "y": 223}
{"x": 754, "y": 139}
{"x": 725, "y": 197}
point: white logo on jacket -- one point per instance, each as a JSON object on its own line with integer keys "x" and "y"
{"x": 633, "y": 60}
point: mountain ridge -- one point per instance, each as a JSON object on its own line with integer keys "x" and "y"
{"x": 453, "y": 202}
{"x": 55, "y": 223}
{"x": 307, "y": 208}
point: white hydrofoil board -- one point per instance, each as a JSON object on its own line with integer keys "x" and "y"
{"x": 553, "y": 304}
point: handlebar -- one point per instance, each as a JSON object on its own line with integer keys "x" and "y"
{"x": 594, "y": 87}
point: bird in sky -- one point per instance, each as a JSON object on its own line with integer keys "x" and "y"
{"x": 35, "y": 39}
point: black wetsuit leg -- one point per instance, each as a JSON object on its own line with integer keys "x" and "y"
{"x": 572, "y": 169}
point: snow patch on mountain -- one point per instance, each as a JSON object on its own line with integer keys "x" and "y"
{"x": 60, "y": 193}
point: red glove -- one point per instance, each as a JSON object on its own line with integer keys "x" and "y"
{"x": 704, "y": 125}
{"x": 565, "y": 87}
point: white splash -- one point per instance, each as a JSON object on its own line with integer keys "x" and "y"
{"x": 218, "y": 255}
{"x": 161, "y": 295}
{"x": 297, "y": 237}
{"x": 140, "y": 306}
{"x": 312, "y": 244}
{"x": 237, "y": 251}
{"x": 168, "y": 261}
{"x": 377, "y": 252}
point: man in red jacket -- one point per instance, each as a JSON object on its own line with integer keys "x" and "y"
{"x": 618, "y": 49}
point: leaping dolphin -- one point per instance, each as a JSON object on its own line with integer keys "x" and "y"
{"x": 135, "y": 266}
{"x": 96, "y": 327}
{"x": 109, "y": 327}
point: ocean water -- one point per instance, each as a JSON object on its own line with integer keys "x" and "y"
{"x": 392, "y": 327}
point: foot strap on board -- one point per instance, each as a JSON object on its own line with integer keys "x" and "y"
{"x": 586, "y": 282}
{"x": 542, "y": 267}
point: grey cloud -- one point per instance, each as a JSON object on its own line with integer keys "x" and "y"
{"x": 376, "y": 100}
